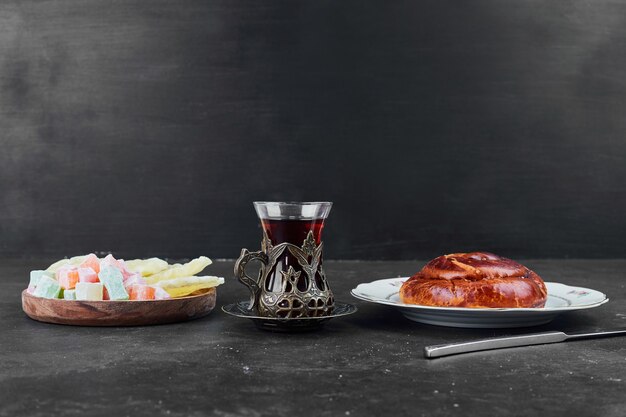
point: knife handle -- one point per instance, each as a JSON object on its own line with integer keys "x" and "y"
{"x": 437, "y": 351}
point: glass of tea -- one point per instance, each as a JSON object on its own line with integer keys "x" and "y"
{"x": 291, "y": 282}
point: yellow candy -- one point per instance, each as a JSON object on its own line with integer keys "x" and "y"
{"x": 182, "y": 286}
{"x": 178, "y": 271}
{"x": 58, "y": 264}
{"x": 76, "y": 260}
{"x": 147, "y": 267}
{"x": 183, "y": 291}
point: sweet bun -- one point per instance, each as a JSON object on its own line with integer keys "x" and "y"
{"x": 475, "y": 280}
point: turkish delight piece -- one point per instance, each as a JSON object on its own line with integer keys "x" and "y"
{"x": 91, "y": 261}
{"x": 87, "y": 275}
{"x": 113, "y": 281}
{"x": 109, "y": 260}
{"x": 141, "y": 292}
{"x": 134, "y": 279}
{"x": 35, "y": 276}
{"x": 67, "y": 277}
{"x": 47, "y": 288}
{"x": 69, "y": 294}
{"x": 89, "y": 291}
{"x": 161, "y": 294}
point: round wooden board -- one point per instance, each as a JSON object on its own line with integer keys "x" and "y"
{"x": 118, "y": 313}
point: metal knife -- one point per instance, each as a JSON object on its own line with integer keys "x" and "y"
{"x": 437, "y": 351}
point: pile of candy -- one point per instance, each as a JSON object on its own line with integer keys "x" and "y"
{"x": 90, "y": 278}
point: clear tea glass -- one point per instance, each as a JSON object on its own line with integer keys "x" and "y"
{"x": 291, "y": 282}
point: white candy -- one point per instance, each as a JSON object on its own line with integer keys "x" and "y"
{"x": 90, "y": 291}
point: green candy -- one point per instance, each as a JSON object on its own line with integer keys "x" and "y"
{"x": 47, "y": 288}
{"x": 35, "y": 276}
{"x": 69, "y": 294}
{"x": 113, "y": 281}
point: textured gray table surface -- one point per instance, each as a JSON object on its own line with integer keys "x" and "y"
{"x": 370, "y": 363}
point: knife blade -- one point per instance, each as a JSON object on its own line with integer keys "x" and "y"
{"x": 437, "y": 351}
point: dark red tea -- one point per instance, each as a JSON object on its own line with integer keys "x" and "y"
{"x": 294, "y": 232}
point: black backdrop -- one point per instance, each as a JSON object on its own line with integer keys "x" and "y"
{"x": 149, "y": 127}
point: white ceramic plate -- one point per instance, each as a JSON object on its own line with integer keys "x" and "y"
{"x": 561, "y": 298}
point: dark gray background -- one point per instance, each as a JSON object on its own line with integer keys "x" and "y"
{"x": 148, "y": 127}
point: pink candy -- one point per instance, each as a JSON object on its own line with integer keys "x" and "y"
{"x": 67, "y": 277}
{"x": 161, "y": 294}
{"x": 87, "y": 275}
{"x": 63, "y": 271}
{"x": 91, "y": 261}
{"x": 116, "y": 263}
{"x": 134, "y": 279}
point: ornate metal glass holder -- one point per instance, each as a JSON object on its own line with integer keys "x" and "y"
{"x": 291, "y": 282}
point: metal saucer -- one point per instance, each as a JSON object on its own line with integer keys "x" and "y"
{"x": 276, "y": 324}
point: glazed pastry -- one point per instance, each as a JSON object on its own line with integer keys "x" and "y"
{"x": 475, "y": 280}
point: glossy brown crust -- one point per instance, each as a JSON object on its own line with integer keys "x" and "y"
{"x": 475, "y": 280}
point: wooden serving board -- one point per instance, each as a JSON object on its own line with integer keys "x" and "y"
{"x": 118, "y": 313}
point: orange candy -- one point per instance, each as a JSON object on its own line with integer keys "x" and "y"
{"x": 68, "y": 278}
{"x": 91, "y": 261}
{"x": 141, "y": 292}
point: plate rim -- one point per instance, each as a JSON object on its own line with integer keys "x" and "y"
{"x": 291, "y": 319}
{"x": 485, "y": 310}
